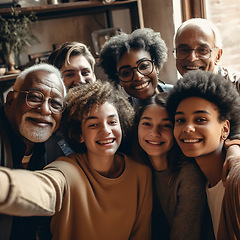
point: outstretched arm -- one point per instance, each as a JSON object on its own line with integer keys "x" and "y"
{"x": 28, "y": 193}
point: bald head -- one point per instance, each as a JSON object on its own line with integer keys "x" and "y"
{"x": 196, "y": 36}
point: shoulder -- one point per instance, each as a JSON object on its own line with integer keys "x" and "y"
{"x": 135, "y": 166}
{"x": 68, "y": 164}
{"x": 229, "y": 74}
{"x": 190, "y": 172}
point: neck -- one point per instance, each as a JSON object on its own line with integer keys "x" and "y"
{"x": 110, "y": 167}
{"x": 29, "y": 147}
{"x": 159, "y": 163}
{"x": 212, "y": 166}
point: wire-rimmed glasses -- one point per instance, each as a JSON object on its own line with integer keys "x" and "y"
{"x": 35, "y": 99}
{"x": 200, "y": 52}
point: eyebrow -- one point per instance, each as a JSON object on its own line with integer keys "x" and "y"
{"x": 94, "y": 117}
{"x": 196, "y": 112}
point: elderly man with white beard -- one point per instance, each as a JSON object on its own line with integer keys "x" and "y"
{"x": 31, "y": 114}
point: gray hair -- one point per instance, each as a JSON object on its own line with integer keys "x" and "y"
{"x": 204, "y": 24}
{"x": 39, "y": 67}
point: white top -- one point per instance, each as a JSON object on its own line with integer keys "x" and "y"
{"x": 215, "y": 196}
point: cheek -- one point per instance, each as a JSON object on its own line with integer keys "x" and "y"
{"x": 169, "y": 136}
{"x": 119, "y": 133}
{"x": 57, "y": 118}
{"x": 140, "y": 134}
{"x": 176, "y": 132}
{"x": 125, "y": 85}
{"x": 67, "y": 82}
{"x": 154, "y": 77}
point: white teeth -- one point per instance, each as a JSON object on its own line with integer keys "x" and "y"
{"x": 190, "y": 140}
{"x": 192, "y": 68}
{"x": 154, "y": 143}
{"x": 106, "y": 141}
{"x": 141, "y": 86}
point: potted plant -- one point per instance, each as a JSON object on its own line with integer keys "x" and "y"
{"x": 15, "y": 33}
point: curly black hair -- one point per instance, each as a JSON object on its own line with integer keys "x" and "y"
{"x": 82, "y": 98}
{"x": 140, "y": 39}
{"x": 215, "y": 89}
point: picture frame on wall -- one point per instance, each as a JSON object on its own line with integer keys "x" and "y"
{"x": 99, "y": 37}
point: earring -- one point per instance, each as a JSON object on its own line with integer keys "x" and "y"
{"x": 224, "y": 136}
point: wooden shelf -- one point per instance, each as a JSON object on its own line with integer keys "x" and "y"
{"x": 61, "y": 10}
{"x": 72, "y": 9}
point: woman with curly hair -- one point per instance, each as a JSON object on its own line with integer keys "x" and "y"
{"x": 205, "y": 109}
{"x": 133, "y": 61}
{"x": 96, "y": 193}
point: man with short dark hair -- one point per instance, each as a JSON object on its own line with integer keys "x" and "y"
{"x": 31, "y": 114}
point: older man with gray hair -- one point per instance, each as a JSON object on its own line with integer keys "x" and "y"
{"x": 31, "y": 114}
{"x": 198, "y": 45}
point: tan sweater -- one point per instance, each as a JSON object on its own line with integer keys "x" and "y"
{"x": 85, "y": 205}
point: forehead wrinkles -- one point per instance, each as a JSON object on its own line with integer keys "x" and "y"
{"x": 45, "y": 80}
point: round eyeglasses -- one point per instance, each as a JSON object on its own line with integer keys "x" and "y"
{"x": 200, "y": 52}
{"x": 126, "y": 73}
{"x": 35, "y": 99}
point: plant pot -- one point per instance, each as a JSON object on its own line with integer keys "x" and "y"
{"x": 11, "y": 64}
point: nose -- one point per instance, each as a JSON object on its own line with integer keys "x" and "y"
{"x": 156, "y": 131}
{"x": 188, "y": 128}
{"x": 192, "y": 56}
{"x": 79, "y": 78}
{"x": 45, "y": 108}
{"x": 137, "y": 75}
{"x": 105, "y": 130}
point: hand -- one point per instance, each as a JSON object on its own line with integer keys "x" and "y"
{"x": 232, "y": 157}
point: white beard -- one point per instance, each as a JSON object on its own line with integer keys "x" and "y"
{"x": 36, "y": 133}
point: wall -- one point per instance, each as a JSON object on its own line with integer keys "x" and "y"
{"x": 158, "y": 15}
{"x": 58, "y": 31}
{"x": 225, "y": 14}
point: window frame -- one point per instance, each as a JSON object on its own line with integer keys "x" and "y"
{"x": 193, "y": 9}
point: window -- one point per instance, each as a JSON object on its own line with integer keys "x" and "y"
{"x": 225, "y": 15}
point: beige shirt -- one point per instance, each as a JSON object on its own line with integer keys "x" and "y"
{"x": 85, "y": 204}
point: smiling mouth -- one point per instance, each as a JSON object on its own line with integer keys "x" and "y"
{"x": 39, "y": 121}
{"x": 107, "y": 141}
{"x": 194, "y": 68}
{"x": 154, "y": 143}
{"x": 191, "y": 140}
{"x": 139, "y": 87}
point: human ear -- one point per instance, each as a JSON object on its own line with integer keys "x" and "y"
{"x": 10, "y": 98}
{"x": 81, "y": 140}
{"x": 218, "y": 56}
{"x": 157, "y": 69}
{"x": 225, "y": 129}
